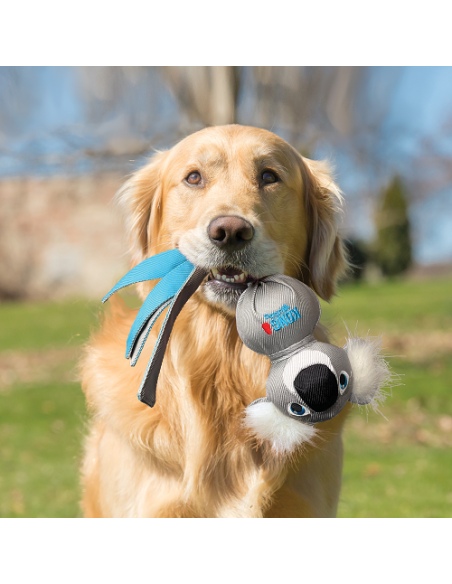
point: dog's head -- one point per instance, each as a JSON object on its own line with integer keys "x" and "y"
{"x": 242, "y": 203}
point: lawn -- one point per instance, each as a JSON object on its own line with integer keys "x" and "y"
{"x": 42, "y": 410}
{"x": 400, "y": 466}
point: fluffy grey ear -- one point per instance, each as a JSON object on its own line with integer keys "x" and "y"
{"x": 268, "y": 423}
{"x": 370, "y": 371}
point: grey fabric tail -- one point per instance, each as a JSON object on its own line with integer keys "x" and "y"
{"x": 148, "y": 389}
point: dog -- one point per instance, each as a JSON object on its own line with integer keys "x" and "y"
{"x": 242, "y": 203}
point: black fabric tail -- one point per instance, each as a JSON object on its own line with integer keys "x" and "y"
{"x": 148, "y": 389}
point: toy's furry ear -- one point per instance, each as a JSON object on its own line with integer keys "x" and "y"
{"x": 268, "y": 423}
{"x": 370, "y": 371}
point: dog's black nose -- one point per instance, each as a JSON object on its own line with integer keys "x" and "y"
{"x": 230, "y": 232}
{"x": 317, "y": 387}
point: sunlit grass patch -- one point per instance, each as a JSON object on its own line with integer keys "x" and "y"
{"x": 46, "y": 324}
{"x": 41, "y": 432}
{"x": 394, "y": 306}
{"x": 389, "y": 481}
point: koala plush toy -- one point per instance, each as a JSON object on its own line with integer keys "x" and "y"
{"x": 309, "y": 381}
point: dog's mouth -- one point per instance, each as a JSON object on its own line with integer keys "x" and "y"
{"x": 229, "y": 277}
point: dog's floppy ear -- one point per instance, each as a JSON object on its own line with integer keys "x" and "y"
{"x": 326, "y": 261}
{"x": 140, "y": 198}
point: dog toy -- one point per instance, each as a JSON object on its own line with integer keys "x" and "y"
{"x": 309, "y": 381}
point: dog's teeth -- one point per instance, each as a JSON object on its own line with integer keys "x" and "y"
{"x": 240, "y": 278}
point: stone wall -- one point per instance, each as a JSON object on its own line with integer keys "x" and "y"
{"x": 60, "y": 237}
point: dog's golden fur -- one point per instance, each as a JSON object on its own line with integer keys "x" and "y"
{"x": 190, "y": 456}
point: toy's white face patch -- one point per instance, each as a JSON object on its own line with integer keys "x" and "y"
{"x": 301, "y": 361}
{"x": 285, "y": 434}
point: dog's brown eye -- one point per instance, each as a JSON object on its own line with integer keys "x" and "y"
{"x": 194, "y": 178}
{"x": 269, "y": 177}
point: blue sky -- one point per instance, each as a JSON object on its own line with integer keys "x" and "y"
{"x": 423, "y": 104}
{"x": 420, "y": 107}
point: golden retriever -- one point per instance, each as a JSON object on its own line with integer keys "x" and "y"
{"x": 243, "y": 203}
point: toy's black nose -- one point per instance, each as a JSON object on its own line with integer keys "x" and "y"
{"x": 317, "y": 387}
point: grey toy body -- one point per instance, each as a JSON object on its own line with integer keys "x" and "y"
{"x": 309, "y": 381}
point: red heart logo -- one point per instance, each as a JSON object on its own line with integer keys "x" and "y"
{"x": 267, "y": 328}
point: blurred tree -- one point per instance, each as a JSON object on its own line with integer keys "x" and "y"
{"x": 206, "y": 94}
{"x": 393, "y": 248}
{"x": 302, "y": 103}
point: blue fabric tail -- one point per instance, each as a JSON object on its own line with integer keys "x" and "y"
{"x": 166, "y": 289}
{"x": 153, "y": 268}
{"x": 179, "y": 279}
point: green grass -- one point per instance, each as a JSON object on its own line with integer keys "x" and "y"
{"x": 42, "y": 425}
{"x": 400, "y": 478}
{"x": 42, "y": 325}
{"x": 41, "y": 430}
{"x": 428, "y": 384}
{"x": 396, "y": 306}
{"x": 408, "y": 474}
{"x": 384, "y": 481}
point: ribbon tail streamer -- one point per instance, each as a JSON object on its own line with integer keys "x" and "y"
{"x": 142, "y": 338}
{"x": 148, "y": 388}
{"x": 153, "y": 268}
{"x": 165, "y": 290}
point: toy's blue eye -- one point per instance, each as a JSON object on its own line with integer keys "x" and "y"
{"x": 343, "y": 380}
{"x": 297, "y": 409}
